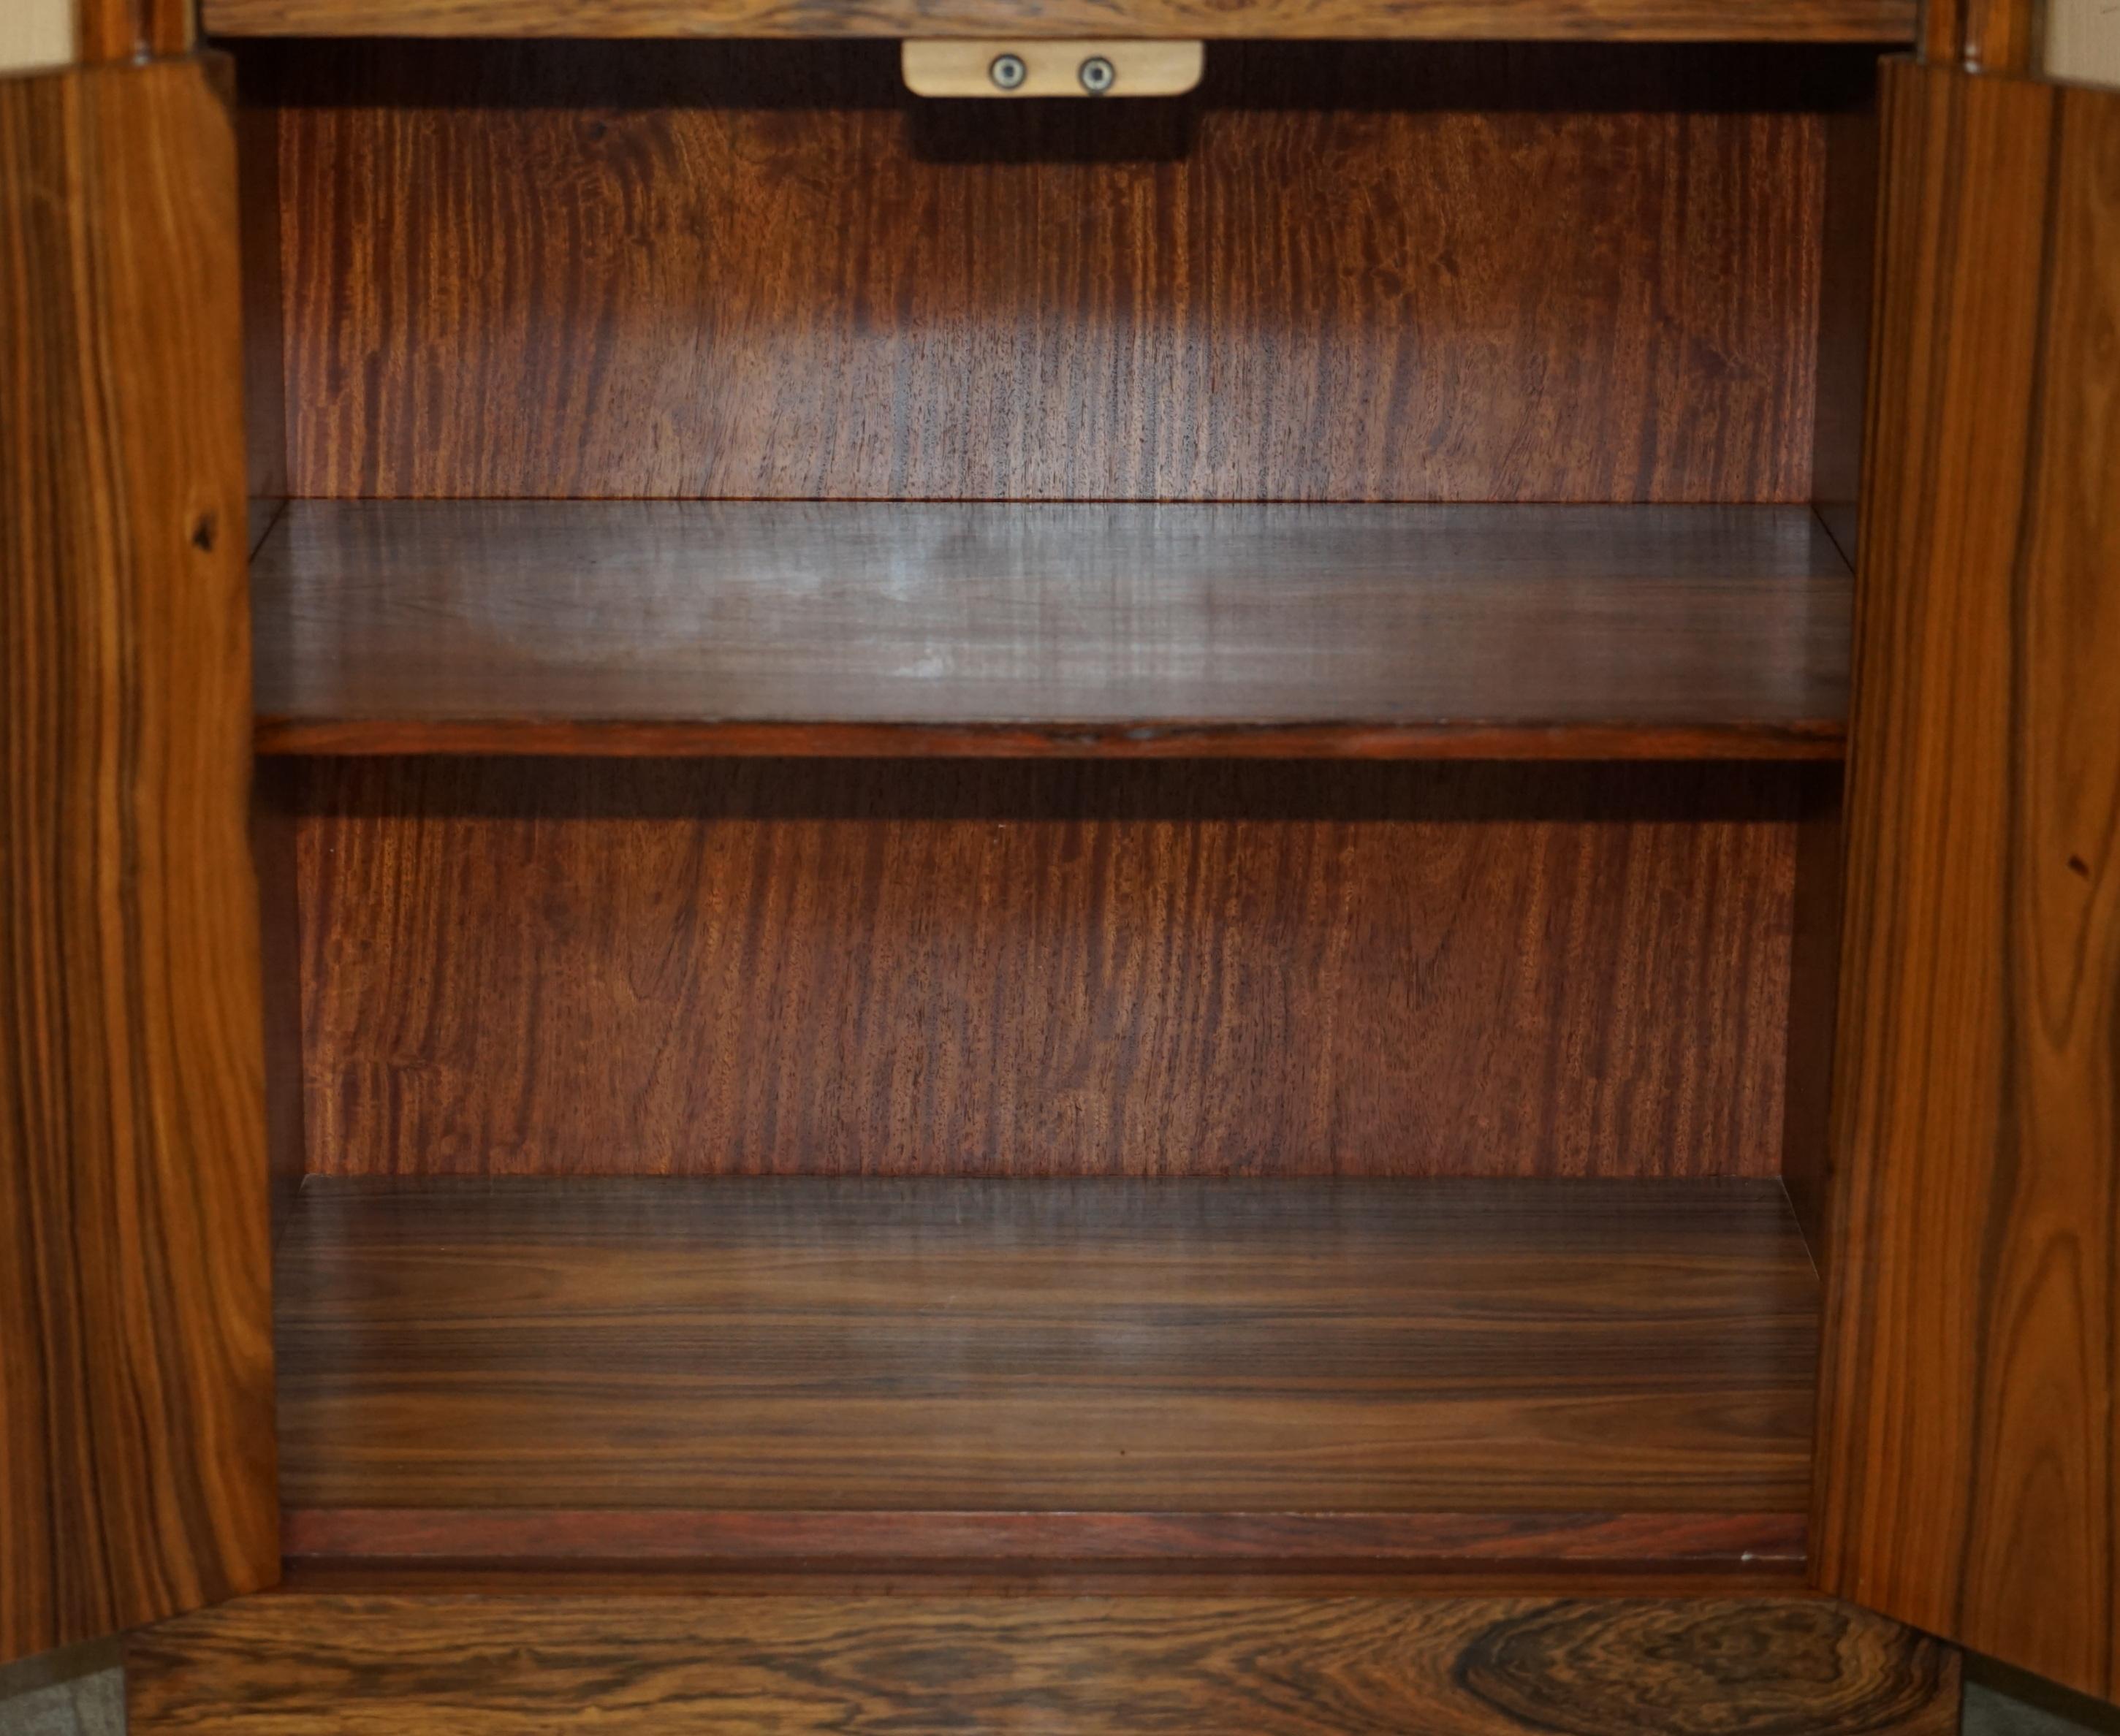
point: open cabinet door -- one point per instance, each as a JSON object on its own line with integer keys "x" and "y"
{"x": 1970, "y": 1452}
{"x": 137, "y": 1470}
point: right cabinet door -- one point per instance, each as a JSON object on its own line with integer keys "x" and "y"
{"x": 1969, "y": 1464}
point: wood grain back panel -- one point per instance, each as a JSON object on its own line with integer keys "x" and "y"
{"x": 763, "y": 966}
{"x": 324, "y": 1665}
{"x": 1441, "y": 272}
{"x": 136, "y": 1371}
{"x": 1968, "y": 1458}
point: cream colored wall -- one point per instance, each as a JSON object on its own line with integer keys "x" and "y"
{"x": 35, "y": 32}
{"x": 2083, "y": 40}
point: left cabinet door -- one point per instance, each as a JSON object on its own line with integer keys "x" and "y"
{"x": 136, "y": 1461}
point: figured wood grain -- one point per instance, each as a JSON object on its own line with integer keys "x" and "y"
{"x": 662, "y": 967}
{"x": 344, "y": 1666}
{"x": 1453, "y": 273}
{"x": 1967, "y": 1451}
{"x": 1808, "y": 20}
{"x": 957, "y": 1348}
{"x": 1123, "y": 630}
{"x": 136, "y": 1428}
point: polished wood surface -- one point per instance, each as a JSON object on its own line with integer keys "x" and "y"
{"x": 1265, "y": 1550}
{"x": 958, "y": 1349}
{"x": 136, "y": 1428}
{"x": 1638, "y": 21}
{"x": 754, "y": 269}
{"x": 1999, "y": 36}
{"x": 1968, "y": 1457}
{"x": 121, "y": 30}
{"x": 408, "y": 1666}
{"x": 572, "y": 968}
{"x": 782, "y": 628}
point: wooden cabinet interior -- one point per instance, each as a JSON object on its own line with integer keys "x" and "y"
{"x": 763, "y": 1147}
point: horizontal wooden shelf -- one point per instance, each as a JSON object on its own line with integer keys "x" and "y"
{"x": 1428, "y": 1376}
{"x": 1123, "y": 630}
{"x": 1639, "y": 21}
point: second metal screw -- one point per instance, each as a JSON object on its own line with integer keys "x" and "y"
{"x": 1097, "y": 75}
{"x": 1008, "y": 70}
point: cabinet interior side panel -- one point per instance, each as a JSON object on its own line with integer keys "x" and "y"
{"x": 1412, "y": 271}
{"x": 514, "y": 967}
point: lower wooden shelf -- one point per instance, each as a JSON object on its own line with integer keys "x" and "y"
{"x": 1413, "y": 1376}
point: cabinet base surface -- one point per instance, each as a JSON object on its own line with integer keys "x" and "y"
{"x": 481, "y": 1666}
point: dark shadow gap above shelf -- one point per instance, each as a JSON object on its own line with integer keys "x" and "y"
{"x": 792, "y": 628}
{"x": 1491, "y": 1376}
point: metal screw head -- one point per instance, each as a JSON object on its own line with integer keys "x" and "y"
{"x": 1008, "y": 70}
{"x": 1098, "y": 75}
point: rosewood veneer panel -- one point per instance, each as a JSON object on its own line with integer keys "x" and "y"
{"x": 1968, "y": 1444}
{"x": 769, "y": 966}
{"x": 1213, "y": 1352}
{"x": 135, "y": 1374}
{"x": 616, "y": 1666}
{"x": 1125, "y": 630}
{"x": 1853, "y": 21}
{"x": 1449, "y": 273}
